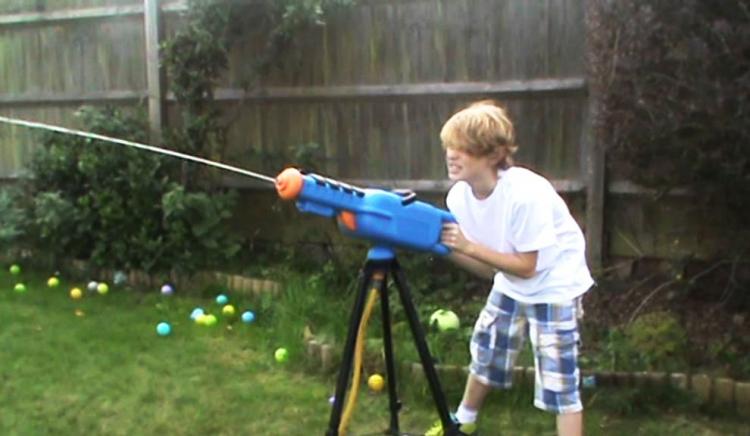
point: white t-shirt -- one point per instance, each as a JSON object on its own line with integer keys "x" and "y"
{"x": 524, "y": 213}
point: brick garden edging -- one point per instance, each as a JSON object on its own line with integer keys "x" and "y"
{"x": 235, "y": 283}
{"x": 720, "y": 391}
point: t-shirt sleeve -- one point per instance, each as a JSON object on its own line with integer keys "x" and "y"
{"x": 532, "y": 225}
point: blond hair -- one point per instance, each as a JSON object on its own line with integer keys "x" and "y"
{"x": 481, "y": 129}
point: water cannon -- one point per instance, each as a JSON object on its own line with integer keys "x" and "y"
{"x": 394, "y": 219}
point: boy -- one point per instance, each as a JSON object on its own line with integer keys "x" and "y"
{"x": 514, "y": 228}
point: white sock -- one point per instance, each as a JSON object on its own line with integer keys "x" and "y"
{"x": 465, "y": 415}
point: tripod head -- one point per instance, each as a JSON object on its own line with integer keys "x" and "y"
{"x": 386, "y": 218}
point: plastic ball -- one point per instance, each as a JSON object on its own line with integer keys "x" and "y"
{"x": 201, "y": 319}
{"x": 444, "y": 320}
{"x": 281, "y": 355}
{"x": 91, "y": 287}
{"x": 210, "y": 320}
{"x": 119, "y": 278}
{"x": 102, "y": 288}
{"x": 15, "y": 269}
{"x": 376, "y": 382}
{"x": 198, "y": 311}
{"x": 331, "y": 399}
{"x": 248, "y": 316}
{"x": 163, "y": 329}
{"x": 76, "y": 294}
{"x": 53, "y": 282}
{"x": 228, "y": 310}
{"x": 167, "y": 290}
{"x": 222, "y": 299}
{"x": 20, "y": 288}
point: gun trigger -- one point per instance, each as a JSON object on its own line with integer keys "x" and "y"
{"x": 348, "y": 219}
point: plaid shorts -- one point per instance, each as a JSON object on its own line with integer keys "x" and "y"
{"x": 499, "y": 336}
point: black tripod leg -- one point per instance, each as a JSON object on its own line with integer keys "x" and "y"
{"x": 395, "y": 404}
{"x": 346, "y": 359}
{"x": 449, "y": 426}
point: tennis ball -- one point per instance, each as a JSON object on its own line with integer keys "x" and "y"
{"x": 20, "y": 288}
{"x": 102, "y": 288}
{"x": 248, "y": 316}
{"x": 76, "y": 294}
{"x": 222, "y": 299}
{"x": 281, "y": 355}
{"x": 376, "y": 382}
{"x": 163, "y": 329}
{"x": 228, "y": 310}
{"x": 210, "y": 320}
{"x": 444, "y": 320}
{"x": 15, "y": 269}
{"x": 53, "y": 282}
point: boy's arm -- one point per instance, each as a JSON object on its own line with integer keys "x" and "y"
{"x": 472, "y": 265}
{"x": 519, "y": 264}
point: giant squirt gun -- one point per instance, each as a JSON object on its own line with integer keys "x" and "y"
{"x": 389, "y": 220}
{"x": 385, "y": 218}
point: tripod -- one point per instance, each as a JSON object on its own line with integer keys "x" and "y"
{"x": 380, "y": 262}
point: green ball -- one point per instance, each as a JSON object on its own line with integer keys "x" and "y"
{"x": 53, "y": 282}
{"x": 281, "y": 355}
{"x": 20, "y": 288}
{"x": 210, "y": 320}
{"x": 102, "y": 288}
{"x": 15, "y": 270}
{"x": 444, "y": 320}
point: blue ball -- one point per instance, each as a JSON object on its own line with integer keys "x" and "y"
{"x": 222, "y": 299}
{"x": 163, "y": 329}
{"x": 198, "y": 311}
{"x": 248, "y": 317}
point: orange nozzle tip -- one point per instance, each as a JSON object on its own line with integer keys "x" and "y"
{"x": 289, "y": 183}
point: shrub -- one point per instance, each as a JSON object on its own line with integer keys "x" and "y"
{"x": 672, "y": 80}
{"x": 12, "y": 219}
{"x": 118, "y": 206}
{"x": 659, "y": 340}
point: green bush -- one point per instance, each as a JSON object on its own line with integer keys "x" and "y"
{"x": 659, "y": 340}
{"x": 12, "y": 219}
{"x": 119, "y": 207}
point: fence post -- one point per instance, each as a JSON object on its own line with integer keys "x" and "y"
{"x": 154, "y": 76}
{"x": 593, "y": 166}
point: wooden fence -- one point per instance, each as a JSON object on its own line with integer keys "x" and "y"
{"x": 372, "y": 87}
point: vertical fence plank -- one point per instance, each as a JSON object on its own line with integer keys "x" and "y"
{"x": 154, "y": 76}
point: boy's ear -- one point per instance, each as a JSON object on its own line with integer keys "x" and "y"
{"x": 498, "y": 155}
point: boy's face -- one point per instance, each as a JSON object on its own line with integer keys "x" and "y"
{"x": 464, "y": 166}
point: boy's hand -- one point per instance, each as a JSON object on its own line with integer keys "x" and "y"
{"x": 453, "y": 238}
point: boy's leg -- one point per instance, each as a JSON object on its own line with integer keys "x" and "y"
{"x": 498, "y": 338}
{"x": 570, "y": 424}
{"x": 475, "y": 393}
{"x": 553, "y": 329}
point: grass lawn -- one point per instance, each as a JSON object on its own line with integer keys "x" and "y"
{"x": 108, "y": 373}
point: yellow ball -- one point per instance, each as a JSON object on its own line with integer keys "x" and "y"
{"x": 228, "y": 310}
{"x": 201, "y": 319}
{"x": 53, "y": 282}
{"x": 102, "y": 288}
{"x": 76, "y": 294}
{"x": 376, "y": 382}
